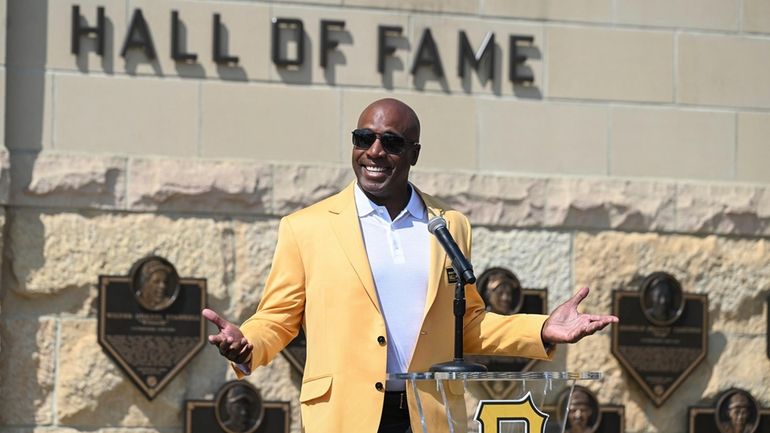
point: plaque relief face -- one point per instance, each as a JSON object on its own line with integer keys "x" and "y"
{"x": 662, "y": 335}
{"x": 502, "y": 293}
{"x": 582, "y": 413}
{"x": 734, "y": 411}
{"x": 155, "y": 283}
{"x": 237, "y": 408}
{"x": 150, "y": 322}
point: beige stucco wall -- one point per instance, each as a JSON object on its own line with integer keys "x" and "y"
{"x": 641, "y": 146}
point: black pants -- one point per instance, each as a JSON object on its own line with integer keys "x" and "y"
{"x": 395, "y": 414}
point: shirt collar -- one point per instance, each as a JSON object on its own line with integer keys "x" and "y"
{"x": 414, "y": 207}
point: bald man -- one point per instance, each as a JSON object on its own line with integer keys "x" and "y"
{"x": 361, "y": 273}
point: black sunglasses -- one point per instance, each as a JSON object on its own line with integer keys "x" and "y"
{"x": 394, "y": 144}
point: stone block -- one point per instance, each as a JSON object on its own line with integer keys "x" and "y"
{"x": 442, "y": 146}
{"x": 354, "y": 60}
{"x": 51, "y": 179}
{"x": 28, "y": 109}
{"x": 264, "y": 121}
{"x": 28, "y": 366}
{"x": 542, "y": 138}
{"x": 296, "y": 186}
{"x": 190, "y": 185}
{"x": 445, "y": 31}
{"x": 708, "y": 14}
{"x": 324, "y": 2}
{"x": 730, "y": 271}
{"x": 435, "y": 6}
{"x": 63, "y": 254}
{"x": 753, "y": 151}
{"x": 539, "y": 259}
{"x": 756, "y": 16}
{"x": 663, "y": 142}
{"x": 723, "y": 208}
{"x": 57, "y": 23}
{"x": 737, "y": 363}
{"x": 126, "y": 115}
{"x": 723, "y": 70}
{"x": 245, "y": 34}
{"x": 92, "y": 392}
{"x": 487, "y": 199}
{"x": 593, "y": 63}
{"x": 610, "y": 203}
{"x": 581, "y": 10}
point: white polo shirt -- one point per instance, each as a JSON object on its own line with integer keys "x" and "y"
{"x": 399, "y": 254}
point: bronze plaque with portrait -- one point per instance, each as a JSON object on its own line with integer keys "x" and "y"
{"x": 150, "y": 322}
{"x": 584, "y": 413}
{"x": 662, "y": 334}
{"x": 237, "y": 408}
{"x": 734, "y": 411}
{"x": 296, "y": 352}
{"x": 502, "y": 294}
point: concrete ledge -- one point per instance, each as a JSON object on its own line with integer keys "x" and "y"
{"x": 258, "y": 188}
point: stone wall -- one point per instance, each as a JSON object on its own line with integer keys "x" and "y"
{"x": 70, "y": 218}
{"x": 640, "y": 146}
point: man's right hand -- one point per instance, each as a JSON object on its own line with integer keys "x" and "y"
{"x": 230, "y": 340}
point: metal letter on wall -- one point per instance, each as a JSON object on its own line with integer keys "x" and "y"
{"x": 237, "y": 408}
{"x": 662, "y": 335}
{"x": 734, "y": 411}
{"x": 150, "y": 322}
{"x": 503, "y": 294}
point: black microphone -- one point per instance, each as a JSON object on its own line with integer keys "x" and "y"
{"x": 437, "y": 226}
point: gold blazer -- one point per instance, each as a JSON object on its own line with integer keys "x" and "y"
{"x": 321, "y": 280}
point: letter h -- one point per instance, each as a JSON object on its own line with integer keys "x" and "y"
{"x": 79, "y": 30}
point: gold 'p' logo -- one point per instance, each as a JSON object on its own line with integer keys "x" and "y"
{"x": 492, "y": 413}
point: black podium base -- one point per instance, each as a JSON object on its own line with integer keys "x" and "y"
{"x": 458, "y": 366}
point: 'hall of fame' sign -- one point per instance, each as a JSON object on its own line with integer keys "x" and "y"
{"x": 662, "y": 335}
{"x": 150, "y": 322}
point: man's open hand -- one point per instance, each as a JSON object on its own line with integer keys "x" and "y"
{"x": 567, "y": 325}
{"x": 230, "y": 341}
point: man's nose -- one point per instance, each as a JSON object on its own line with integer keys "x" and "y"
{"x": 376, "y": 150}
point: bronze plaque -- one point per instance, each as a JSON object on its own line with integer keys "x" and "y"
{"x": 150, "y": 322}
{"x": 662, "y": 335}
{"x": 503, "y": 294}
{"x": 734, "y": 411}
{"x": 237, "y": 408}
{"x": 296, "y": 352}
{"x": 585, "y": 414}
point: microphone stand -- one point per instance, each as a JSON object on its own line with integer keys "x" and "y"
{"x": 458, "y": 364}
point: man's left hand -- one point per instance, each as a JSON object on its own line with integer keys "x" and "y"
{"x": 567, "y": 325}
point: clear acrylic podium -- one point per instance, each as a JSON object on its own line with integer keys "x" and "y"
{"x": 543, "y": 396}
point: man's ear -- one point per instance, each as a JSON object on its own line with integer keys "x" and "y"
{"x": 415, "y": 154}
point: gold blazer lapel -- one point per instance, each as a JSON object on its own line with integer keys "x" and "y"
{"x": 347, "y": 227}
